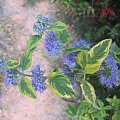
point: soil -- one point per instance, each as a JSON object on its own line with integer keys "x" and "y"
{"x": 16, "y": 21}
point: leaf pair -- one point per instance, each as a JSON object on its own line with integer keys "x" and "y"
{"x": 86, "y": 111}
{"x": 91, "y": 61}
{"x": 26, "y": 58}
{"x": 25, "y": 86}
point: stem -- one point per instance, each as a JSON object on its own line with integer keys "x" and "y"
{"x": 84, "y": 76}
{"x": 69, "y": 100}
{"x": 79, "y": 96}
{"x": 24, "y": 74}
{"x": 73, "y": 73}
{"x": 73, "y": 100}
{"x": 100, "y": 71}
{"x": 79, "y": 91}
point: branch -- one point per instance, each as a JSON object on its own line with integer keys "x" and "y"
{"x": 24, "y": 74}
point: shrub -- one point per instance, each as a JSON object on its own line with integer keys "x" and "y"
{"x": 80, "y": 61}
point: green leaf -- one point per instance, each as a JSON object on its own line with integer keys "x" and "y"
{"x": 108, "y": 107}
{"x": 95, "y": 56}
{"x": 116, "y": 115}
{"x": 72, "y": 49}
{"x": 26, "y": 88}
{"x": 64, "y": 37}
{"x": 115, "y": 49}
{"x": 26, "y": 60}
{"x": 100, "y": 51}
{"x": 59, "y": 26}
{"x": 82, "y": 109}
{"x": 71, "y": 110}
{"x": 98, "y": 110}
{"x": 61, "y": 29}
{"x": 84, "y": 5}
{"x": 88, "y": 117}
{"x": 12, "y": 64}
{"x": 88, "y": 92}
{"x": 117, "y": 59}
{"x": 99, "y": 114}
{"x": 60, "y": 85}
{"x": 82, "y": 59}
{"x": 33, "y": 41}
{"x": 100, "y": 31}
{"x": 99, "y": 103}
{"x": 115, "y": 102}
{"x": 109, "y": 100}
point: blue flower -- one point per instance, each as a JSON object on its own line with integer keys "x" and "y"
{"x": 80, "y": 42}
{"x": 42, "y": 23}
{"x": 70, "y": 59}
{"x": 72, "y": 79}
{"x": 38, "y": 79}
{"x": 2, "y": 64}
{"x": 52, "y": 45}
{"x": 66, "y": 70}
{"x": 10, "y": 77}
{"x": 110, "y": 78}
{"x": 74, "y": 84}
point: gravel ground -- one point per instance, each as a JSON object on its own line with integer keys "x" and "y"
{"x": 16, "y": 21}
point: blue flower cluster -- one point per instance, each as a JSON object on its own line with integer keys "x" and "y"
{"x": 80, "y": 42}
{"x": 74, "y": 84}
{"x": 70, "y": 59}
{"x": 42, "y": 23}
{"x": 73, "y": 81}
{"x": 38, "y": 79}
{"x": 2, "y": 64}
{"x": 110, "y": 78}
{"x": 52, "y": 45}
{"x": 10, "y": 77}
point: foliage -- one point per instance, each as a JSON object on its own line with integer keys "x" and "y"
{"x": 60, "y": 85}
{"x": 92, "y": 60}
{"x": 87, "y": 111}
{"x": 88, "y": 91}
{"x": 26, "y": 88}
{"x": 115, "y": 32}
{"x": 99, "y": 111}
{"x": 80, "y": 61}
{"x": 102, "y": 18}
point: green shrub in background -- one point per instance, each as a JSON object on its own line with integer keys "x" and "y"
{"x": 102, "y": 17}
{"x": 99, "y": 111}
